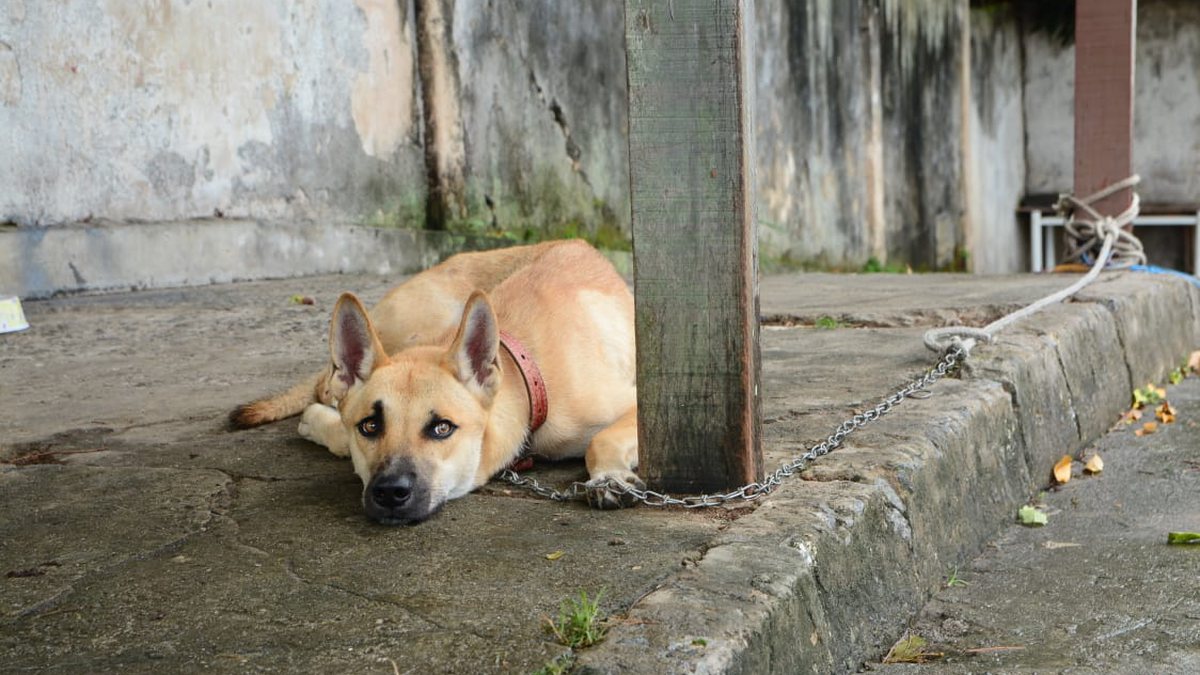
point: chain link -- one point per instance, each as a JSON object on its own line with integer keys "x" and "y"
{"x": 918, "y": 388}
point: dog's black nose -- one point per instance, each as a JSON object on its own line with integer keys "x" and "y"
{"x": 391, "y": 491}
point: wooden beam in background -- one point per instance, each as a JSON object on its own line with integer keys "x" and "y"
{"x": 695, "y": 243}
{"x": 1104, "y": 53}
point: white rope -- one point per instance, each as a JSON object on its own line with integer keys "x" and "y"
{"x": 1107, "y": 230}
{"x": 1085, "y": 233}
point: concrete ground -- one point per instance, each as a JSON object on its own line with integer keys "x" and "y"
{"x": 137, "y": 534}
{"x": 1097, "y": 589}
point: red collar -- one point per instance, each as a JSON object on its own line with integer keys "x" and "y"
{"x": 539, "y": 404}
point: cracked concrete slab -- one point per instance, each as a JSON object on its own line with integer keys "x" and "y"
{"x": 141, "y": 535}
{"x": 128, "y": 514}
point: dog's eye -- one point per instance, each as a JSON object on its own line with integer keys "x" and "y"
{"x": 440, "y": 429}
{"x": 369, "y": 427}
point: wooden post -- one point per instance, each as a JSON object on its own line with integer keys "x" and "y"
{"x": 695, "y": 246}
{"x": 1104, "y": 42}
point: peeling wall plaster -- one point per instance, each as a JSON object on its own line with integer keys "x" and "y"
{"x": 173, "y": 109}
{"x": 382, "y": 100}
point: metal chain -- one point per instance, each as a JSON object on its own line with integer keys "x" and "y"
{"x": 752, "y": 491}
{"x": 954, "y": 343}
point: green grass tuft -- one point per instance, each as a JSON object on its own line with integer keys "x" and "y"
{"x": 578, "y": 623}
{"x": 952, "y": 579}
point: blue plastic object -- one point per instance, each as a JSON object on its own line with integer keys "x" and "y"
{"x": 1155, "y": 269}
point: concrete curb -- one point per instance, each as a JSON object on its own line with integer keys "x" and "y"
{"x": 825, "y": 574}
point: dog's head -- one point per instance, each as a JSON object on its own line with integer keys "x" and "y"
{"x": 416, "y": 420}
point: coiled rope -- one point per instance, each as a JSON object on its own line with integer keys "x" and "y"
{"x": 1119, "y": 249}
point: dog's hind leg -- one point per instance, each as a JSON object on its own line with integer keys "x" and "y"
{"x": 611, "y": 459}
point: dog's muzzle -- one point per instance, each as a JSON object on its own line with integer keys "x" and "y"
{"x": 396, "y": 495}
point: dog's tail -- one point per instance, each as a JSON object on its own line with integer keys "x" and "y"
{"x": 265, "y": 410}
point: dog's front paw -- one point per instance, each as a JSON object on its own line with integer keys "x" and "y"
{"x": 310, "y": 421}
{"x": 322, "y": 425}
{"x": 612, "y": 490}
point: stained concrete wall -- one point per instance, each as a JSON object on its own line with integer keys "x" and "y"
{"x": 544, "y": 110}
{"x": 818, "y": 153}
{"x": 310, "y": 110}
{"x": 924, "y": 89}
{"x": 1166, "y": 150}
{"x": 861, "y": 131}
{"x": 170, "y": 110}
{"x": 911, "y": 130}
{"x": 904, "y": 130}
{"x": 995, "y": 149}
{"x": 341, "y": 113}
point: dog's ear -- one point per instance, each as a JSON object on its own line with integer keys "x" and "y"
{"x": 353, "y": 345}
{"x": 473, "y": 355}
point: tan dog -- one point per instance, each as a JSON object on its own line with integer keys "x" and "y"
{"x": 428, "y": 405}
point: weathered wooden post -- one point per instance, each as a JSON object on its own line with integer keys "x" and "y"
{"x": 695, "y": 247}
{"x": 1104, "y": 42}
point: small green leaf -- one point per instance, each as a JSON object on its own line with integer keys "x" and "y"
{"x": 1032, "y": 516}
{"x": 1183, "y": 538}
{"x": 910, "y": 649}
{"x": 1148, "y": 395}
{"x": 700, "y": 642}
{"x": 952, "y": 579}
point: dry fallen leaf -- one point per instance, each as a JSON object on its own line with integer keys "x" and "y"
{"x": 1193, "y": 363}
{"x": 555, "y": 556}
{"x": 1062, "y": 470}
{"x": 1094, "y": 464}
{"x": 1147, "y": 429}
{"x": 1132, "y": 415}
{"x": 1165, "y": 413}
